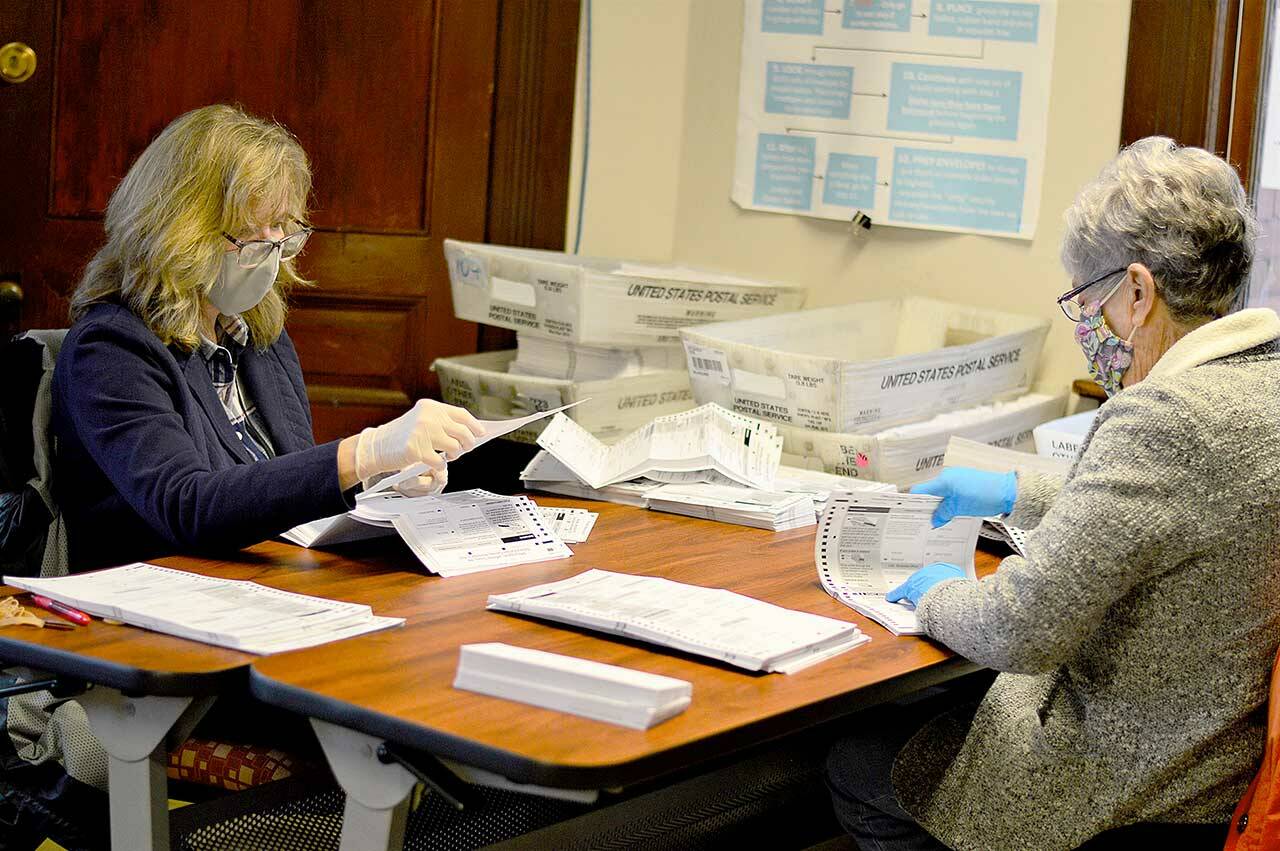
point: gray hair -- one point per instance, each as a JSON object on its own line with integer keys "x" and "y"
{"x": 1181, "y": 212}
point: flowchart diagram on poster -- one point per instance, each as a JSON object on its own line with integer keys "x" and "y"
{"x": 919, "y": 113}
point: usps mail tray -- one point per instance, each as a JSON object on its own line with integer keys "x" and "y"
{"x": 859, "y": 368}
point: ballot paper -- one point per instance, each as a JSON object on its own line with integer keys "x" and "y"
{"x": 610, "y": 693}
{"x": 819, "y": 485}
{"x": 231, "y": 613}
{"x": 467, "y": 532}
{"x": 571, "y": 525}
{"x": 710, "y": 622}
{"x": 869, "y": 543}
{"x": 745, "y": 450}
{"x": 739, "y": 505}
{"x": 492, "y": 429}
{"x": 545, "y": 473}
{"x": 968, "y": 453}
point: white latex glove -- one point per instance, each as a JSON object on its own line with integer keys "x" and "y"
{"x": 431, "y": 432}
{"x": 424, "y": 485}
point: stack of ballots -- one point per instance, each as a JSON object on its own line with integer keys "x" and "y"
{"x": 876, "y": 389}
{"x": 595, "y": 329}
{"x": 708, "y": 462}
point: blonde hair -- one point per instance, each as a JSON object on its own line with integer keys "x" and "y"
{"x": 212, "y": 170}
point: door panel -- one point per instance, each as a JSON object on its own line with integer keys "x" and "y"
{"x": 393, "y": 102}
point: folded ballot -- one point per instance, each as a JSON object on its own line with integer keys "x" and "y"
{"x": 671, "y": 448}
{"x": 869, "y": 543}
{"x": 545, "y": 473}
{"x": 452, "y": 533}
{"x": 711, "y": 622}
{"x": 795, "y": 500}
{"x": 578, "y": 686}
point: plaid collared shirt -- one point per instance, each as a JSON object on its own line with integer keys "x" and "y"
{"x": 233, "y": 337}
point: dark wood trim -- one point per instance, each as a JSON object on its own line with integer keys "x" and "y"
{"x": 1249, "y": 103}
{"x": 1194, "y": 73}
{"x": 532, "y": 130}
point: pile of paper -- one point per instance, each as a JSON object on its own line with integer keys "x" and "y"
{"x": 710, "y": 622}
{"x": 869, "y": 543}
{"x": 673, "y": 448}
{"x": 578, "y": 686}
{"x": 570, "y": 361}
{"x": 229, "y": 613}
{"x": 452, "y": 533}
{"x": 795, "y": 500}
{"x": 545, "y": 473}
{"x": 728, "y": 504}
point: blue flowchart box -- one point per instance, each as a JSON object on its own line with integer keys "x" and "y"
{"x": 979, "y": 191}
{"x": 953, "y": 101}
{"x": 784, "y": 171}
{"x": 796, "y": 88}
{"x": 798, "y": 17}
{"x": 850, "y": 181}
{"x": 880, "y": 15}
{"x": 985, "y": 19}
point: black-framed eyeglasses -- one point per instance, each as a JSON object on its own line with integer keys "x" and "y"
{"x": 1071, "y": 308}
{"x": 254, "y": 252}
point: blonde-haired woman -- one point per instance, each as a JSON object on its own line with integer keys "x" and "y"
{"x": 179, "y": 406}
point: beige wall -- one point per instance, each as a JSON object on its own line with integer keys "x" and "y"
{"x": 663, "y": 115}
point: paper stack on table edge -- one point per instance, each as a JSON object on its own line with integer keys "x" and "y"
{"x": 239, "y": 614}
{"x": 595, "y": 690}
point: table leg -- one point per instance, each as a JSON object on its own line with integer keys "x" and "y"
{"x": 377, "y": 807}
{"x": 133, "y": 731}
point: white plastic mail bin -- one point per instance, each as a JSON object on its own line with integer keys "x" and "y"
{"x": 481, "y": 384}
{"x": 912, "y": 453}
{"x": 859, "y": 368}
{"x": 1064, "y": 438}
{"x": 599, "y": 301}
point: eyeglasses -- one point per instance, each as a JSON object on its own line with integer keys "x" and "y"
{"x": 254, "y": 252}
{"x": 1071, "y": 308}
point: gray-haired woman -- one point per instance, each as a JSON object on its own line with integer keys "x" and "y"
{"x": 1135, "y": 639}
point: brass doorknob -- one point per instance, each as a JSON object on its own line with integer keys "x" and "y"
{"x": 17, "y": 62}
{"x": 10, "y": 293}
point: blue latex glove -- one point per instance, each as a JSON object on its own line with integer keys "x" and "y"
{"x": 967, "y": 492}
{"x": 922, "y": 580}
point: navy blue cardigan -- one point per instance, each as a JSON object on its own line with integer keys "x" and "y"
{"x": 146, "y": 462}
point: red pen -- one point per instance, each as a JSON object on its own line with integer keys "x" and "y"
{"x": 60, "y": 609}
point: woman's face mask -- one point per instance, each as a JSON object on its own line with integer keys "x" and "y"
{"x": 238, "y": 289}
{"x": 1108, "y": 355}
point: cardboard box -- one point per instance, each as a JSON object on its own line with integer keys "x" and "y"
{"x": 1064, "y": 438}
{"x": 599, "y": 301}
{"x": 912, "y": 453}
{"x": 481, "y": 384}
{"x": 859, "y": 368}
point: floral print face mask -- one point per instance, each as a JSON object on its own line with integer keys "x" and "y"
{"x": 1109, "y": 356}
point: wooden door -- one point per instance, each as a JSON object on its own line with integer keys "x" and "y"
{"x": 393, "y": 100}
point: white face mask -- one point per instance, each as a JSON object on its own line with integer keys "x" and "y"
{"x": 237, "y": 289}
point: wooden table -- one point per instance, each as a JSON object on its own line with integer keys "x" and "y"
{"x": 396, "y": 686}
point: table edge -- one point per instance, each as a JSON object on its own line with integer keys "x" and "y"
{"x": 522, "y": 769}
{"x": 125, "y": 678}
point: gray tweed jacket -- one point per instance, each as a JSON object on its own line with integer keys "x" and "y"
{"x": 1136, "y": 638}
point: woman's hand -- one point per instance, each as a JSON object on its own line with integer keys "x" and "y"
{"x": 430, "y": 432}
{"x": 967, "y": 492}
